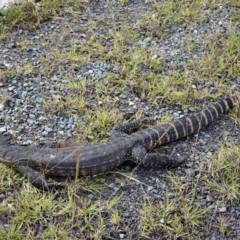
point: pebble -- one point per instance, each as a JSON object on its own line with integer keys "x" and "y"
{"x": 121, "y": 236}
{"x": 162, "y": 221}
{"x": 149, "y": 188}
{"x": 48, "y": 129}
{"x": 222, "y": 209}
{"x": 3, "y": 129}
{"x": 209, "y": 198}
{"x": 112, "y": 185}
{"x": 90, "y": 196}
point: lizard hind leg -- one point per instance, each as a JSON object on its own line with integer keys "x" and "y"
{"x": 126, "y": 128}
{"x": 159, "y": 160}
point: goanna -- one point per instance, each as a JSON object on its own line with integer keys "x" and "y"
{"x": 36, "y": 163}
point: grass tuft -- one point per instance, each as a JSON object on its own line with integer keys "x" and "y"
{"x": 224, "y": 174}
{"x": 178, "y": 219}
{"x": 28, "y": 15}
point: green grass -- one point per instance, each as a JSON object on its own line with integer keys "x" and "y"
{"x": 68, "y": 105}
{"x": 26, "y": 14}
{"x": 234, "y": 3}
{"x": 62, "y": 214}
{"x": 97, "y": 126}
{"x": 180, "y": 11}
{"x": 224, "y": 179}
{"x": 220, "y": 64}
{"x": 178, "y": 219}
{"x": 7, "y": 74}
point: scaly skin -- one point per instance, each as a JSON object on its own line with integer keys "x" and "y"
{"x": 36, "y": 163}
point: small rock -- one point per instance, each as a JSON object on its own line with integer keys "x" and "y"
{"x": 121, "y": 236}
{"x": 90, "y": 196}
{"x": 23, "y": 95}
{"x": 154, "y": 57}
{"x": 3, "y": 129}
{"x": 111, "y": 185}
{"x": 171, "y": 195}
{"x": 26, "y": 143}
{"x": 176, "y": 115}
{"x": 162, "y": 220}
{"x": 208, "y": 198}
{"x": 48, "y": 129}
{"x": 222, "y": 209}
{"x": 149, "y": 188}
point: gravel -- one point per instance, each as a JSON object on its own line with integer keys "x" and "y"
{"x": 24, "y": 106}
{"x": 22, "y": 102}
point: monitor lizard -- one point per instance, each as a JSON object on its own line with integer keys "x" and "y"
{"x": 35, "y": 163}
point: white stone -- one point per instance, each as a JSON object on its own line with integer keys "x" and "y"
{"x": 162, "y": 220}
{"x": 4, "y": 3}
{"x": 3, "y": 129}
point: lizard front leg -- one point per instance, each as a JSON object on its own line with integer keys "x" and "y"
{"x": 124, "y": 129}
{"x": 141, "y": 156}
